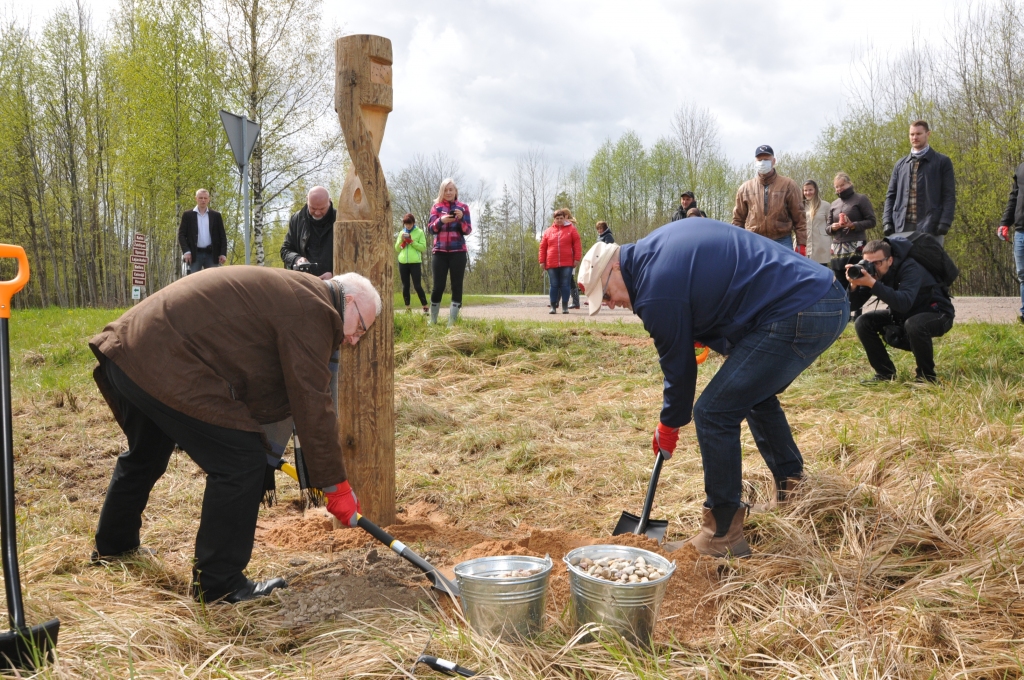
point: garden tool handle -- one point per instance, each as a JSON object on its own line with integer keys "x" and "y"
{"x": 703, "y": 356}
{"x": 645, "y": 514}
{"x": 9, "y": 288}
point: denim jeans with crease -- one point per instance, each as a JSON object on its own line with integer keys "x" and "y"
{"x": 758, "y": 368}
{"x": 560, "y": 281}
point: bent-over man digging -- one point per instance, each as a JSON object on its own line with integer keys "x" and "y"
{"x": 770, "y": 310}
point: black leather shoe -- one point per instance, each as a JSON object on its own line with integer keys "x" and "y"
{"x": 877, "y": 378}
{"x": 254, "y": 589}
{"x": 139, "y": 553}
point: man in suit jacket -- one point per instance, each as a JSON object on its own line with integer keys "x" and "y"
{"x": 922, "y": 190}
{"x": 201, "y": 235}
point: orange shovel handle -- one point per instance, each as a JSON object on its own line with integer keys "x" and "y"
{"x": 702, "y": 357}
{"x": 9, "y": 288}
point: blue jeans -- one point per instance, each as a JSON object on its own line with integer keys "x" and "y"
{"x": 761, "y": 366}
{"x": 786, "y": 240}
{"x": 560, "y": 280}
{"x": 1018, "y": 255}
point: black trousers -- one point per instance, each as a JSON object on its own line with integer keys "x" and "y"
{"x": 234, "y": 462}
{"x": 920, "y": 329}
{"x": 407, "y": 271}
{"x": 838, "y": 265}
{"x": 442, "y": 263}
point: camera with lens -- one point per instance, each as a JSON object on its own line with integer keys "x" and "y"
{"x": 857, "y": 271}
{"x": 306, "y": 267}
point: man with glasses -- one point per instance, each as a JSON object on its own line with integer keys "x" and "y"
{"x": 309, "y": 244}
{"x": 210, "y": 364}
{"x": 919, "y": 308}
{"x": 768, "y": 309}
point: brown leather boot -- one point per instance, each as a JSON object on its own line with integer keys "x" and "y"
{"x": 785, "y": 493}
{"x": 708, "y": 542}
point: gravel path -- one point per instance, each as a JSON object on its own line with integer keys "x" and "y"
{"x": 535, "y": 308}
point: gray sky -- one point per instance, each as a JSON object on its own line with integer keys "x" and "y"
{"x": 485, "y": 80}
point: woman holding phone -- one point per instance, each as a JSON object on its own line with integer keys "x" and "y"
{"x": 450, "y": 224}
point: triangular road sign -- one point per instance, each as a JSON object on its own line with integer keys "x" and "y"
{"x": 233, "y": 126}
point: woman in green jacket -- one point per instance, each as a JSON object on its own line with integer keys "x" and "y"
{"x": 410, "y": 246}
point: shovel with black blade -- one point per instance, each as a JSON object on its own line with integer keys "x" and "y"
{"x": 644, "y": 525}
{"x": 22, "y": 646}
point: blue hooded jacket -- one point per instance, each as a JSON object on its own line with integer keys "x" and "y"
{"x": 706, "y": 281}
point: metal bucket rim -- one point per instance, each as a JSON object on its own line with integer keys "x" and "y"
{"x": 545, "y": 563}
{"x": 574, "y": 570}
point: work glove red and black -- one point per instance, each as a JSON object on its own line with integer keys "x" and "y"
{"x": 1003, "y": 232}
{"x": 802, "y": 250}
{"x": 665, "y": 439}
{"x": 343, "y": 504}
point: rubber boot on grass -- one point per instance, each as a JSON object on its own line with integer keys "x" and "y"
{"x": 435, "y": 307}
{"x": 785, "y": 493}
{"x": 453, "y": 313}
{"x": 727, "y": 541}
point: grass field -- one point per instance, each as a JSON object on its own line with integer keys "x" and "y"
{"x": 902, "y": 559}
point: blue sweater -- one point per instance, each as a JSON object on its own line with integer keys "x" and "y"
{"x": 707, "y": 281}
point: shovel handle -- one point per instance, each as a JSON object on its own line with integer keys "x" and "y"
{"x": 9, "y": 288}
{"x": 645, "y": 514}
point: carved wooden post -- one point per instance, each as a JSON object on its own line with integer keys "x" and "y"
{"x": 363, "y": 243}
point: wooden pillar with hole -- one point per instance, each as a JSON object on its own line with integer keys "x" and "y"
{"x": 364, "y": 243}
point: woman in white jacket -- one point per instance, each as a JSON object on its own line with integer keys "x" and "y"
{"x": 819, "y": 243}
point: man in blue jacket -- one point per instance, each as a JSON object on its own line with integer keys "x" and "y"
{"x": 771, "y": 311}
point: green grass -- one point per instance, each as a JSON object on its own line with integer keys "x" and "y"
{"x": 902, "y": 559}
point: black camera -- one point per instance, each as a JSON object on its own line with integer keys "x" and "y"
{"x": 857, "y": 271}
{"x": 306, "y": 267}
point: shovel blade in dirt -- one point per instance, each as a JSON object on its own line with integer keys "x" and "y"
{"x": 644, "y": 525}
{"x": 29, "y": 648}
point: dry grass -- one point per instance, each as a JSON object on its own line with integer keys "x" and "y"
{"x": 902, "y": 559}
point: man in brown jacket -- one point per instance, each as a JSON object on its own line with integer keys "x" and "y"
{"x": 771, "y": 205}
{"x": 204, "y": 364}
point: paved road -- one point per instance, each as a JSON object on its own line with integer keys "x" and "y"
{"x": 535, "y": 308}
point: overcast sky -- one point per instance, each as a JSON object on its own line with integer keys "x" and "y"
{"x": 486, "y": 80}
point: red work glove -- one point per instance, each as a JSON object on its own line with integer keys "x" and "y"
{"x": 343, "y": 504}
{"x": 665, "y": 439}
{"x": 802, "y": 250}
{"x": 1003, "y": 233}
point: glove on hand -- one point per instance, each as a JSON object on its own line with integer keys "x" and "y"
{"x": 665, "y": 439}
{"x": 343, "y": 504}
{"x": 1004, "y": 233}
{"x": 802, "y": 250}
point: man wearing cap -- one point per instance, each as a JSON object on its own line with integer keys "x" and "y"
{"x": 687, "y": 201}
{"x": 769, "y": 310}
{"x": 771, "y": 205}
{"x": 206, "y": 364}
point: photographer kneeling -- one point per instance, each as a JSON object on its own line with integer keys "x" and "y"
{"x": 919, "y": 307}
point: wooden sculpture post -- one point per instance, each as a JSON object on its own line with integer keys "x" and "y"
{"x": 363, "y": 243}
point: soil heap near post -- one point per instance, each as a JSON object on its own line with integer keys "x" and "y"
{"x": 363, "y": 244}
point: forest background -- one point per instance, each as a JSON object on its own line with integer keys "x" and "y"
{"x": 105, "y": 133}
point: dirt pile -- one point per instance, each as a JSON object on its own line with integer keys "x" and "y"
{"x": 369, "y": 575}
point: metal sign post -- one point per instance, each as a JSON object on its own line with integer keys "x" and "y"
{"x": 242, "y": 135}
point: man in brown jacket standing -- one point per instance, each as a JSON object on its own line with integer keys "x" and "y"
{"x": 204, "y": 364}
{"x": 771, "y": 205}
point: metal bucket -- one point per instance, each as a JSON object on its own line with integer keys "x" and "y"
{"x": 631, "y": 609}
{"x": 506, "y": 608}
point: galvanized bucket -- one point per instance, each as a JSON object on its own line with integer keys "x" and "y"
{"x": 506, "y": 608}
{"x": 631, "y": 609}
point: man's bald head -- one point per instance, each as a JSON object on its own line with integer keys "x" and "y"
{"x": 318, "y": 202}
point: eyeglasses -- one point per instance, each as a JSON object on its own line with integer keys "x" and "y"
{"x": 606, "y": 297}
{"x": 354, "y": 338}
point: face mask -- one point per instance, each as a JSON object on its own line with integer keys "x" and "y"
{"x": 763, "y": 167}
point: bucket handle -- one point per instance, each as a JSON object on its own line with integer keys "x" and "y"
{"x": 9, "y": 288}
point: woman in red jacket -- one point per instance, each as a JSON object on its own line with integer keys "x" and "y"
{"x": 560, "y": 252}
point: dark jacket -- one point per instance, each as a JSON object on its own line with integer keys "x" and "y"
{"x": 858, "y": 210}
{"x": 297, "y": 241}
{"x": 1014, "y": 213}
{"x": 680, "y": 213}
{"x": 907, "y": 288}
{"x": 936, "y": 195}
{"x": 606, "y": 236}
{"x": 713, "y": 284}
{"x": 188, "y": 232}
{"x": 237, "y": 347}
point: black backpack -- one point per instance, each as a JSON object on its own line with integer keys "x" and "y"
{"x": 926, "y": 250}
